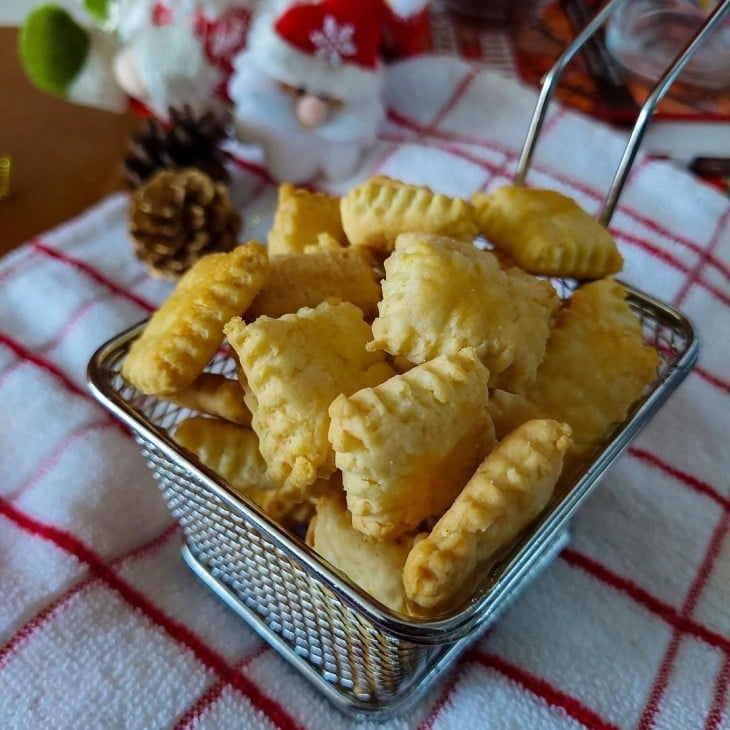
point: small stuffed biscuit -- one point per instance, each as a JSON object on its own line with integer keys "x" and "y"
{"x": 376, "y": 212}
{"x": 406, "y": 447}
{"x": 233, "y": 453}
{"x": 230, "y": 450}
{"x": 507, "y": 492}
{"x": 374, "y": 565}
{"x": 535, "y": 302}
{"x": 301, "y": 217}
{"x": 325, "y": 242}
{"x": 306, "y": 280}
{"x": 214, "y": 395}
{"x": 546, "y": 233}
{"x": 596, "y": 366}
{"x": 183, "y": 334}
{"x": 280, "y": 508}
{"x": 440, "y": 295}
{"x": 294, "y": 367}
{"x": 286, "y": 511}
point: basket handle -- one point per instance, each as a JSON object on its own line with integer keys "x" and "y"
{"x": 552, "y": 77}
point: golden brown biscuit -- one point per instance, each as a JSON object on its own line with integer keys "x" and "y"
{"x": 406, "y": 447}
{"x": 279, "y": 508}
{"x": 280, "y": 505}
{"x": 233, "y": 453}
{"x": 546, "y": 232}
{"x": 535, "y": 303}
{"x": 440, "y": 295}
{"x": 374, "y": 565}
{"x": 306, "y": 280}
{"x": 596, "y": 366}
{"x": 230, "y": 450}
{"x": 378, "y": 210}
{"x": 325, "y": 242}
{"x": 507, "y": 492}
{"x": 184, "y": 333}
{"x": 301, "y": 217}
{"x": 215, "y": 395}
{"x": 294, "y": 367}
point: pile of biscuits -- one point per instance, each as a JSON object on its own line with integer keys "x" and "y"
{"x": 410, "y": 386}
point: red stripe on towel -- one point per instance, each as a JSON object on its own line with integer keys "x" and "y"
{"x": 543, "y": 689}
{"x": 705, "y": 257}
{"x": 450, "y": 684}
{"x": 661, "y": 681}
{"x": 91, "y": 272}
{"x": 717, "y": 714}
{"x": 176, "y": 630}
{"x": 56, "y": 455}
{"x": 47, "y": 366}
{"x": 712, "y": 379}
{"x": 24, "y": 633}
{"x": 23, "y": 257}
{"x": 645, "y": 599}
{"x": 80, "y": 312}
{"x": 213, "y": 694}
{"x": 428, "y": 128}
{"x": 257, "y": 170}
{"x": 698, "y": 485}
{"x": 40, "y": 362}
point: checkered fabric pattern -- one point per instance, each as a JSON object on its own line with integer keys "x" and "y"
{"x": 102, "y": 626}
{"x": 489, "y": 44}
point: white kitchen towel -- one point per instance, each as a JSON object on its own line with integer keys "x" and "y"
{"x": 102, "y": 625}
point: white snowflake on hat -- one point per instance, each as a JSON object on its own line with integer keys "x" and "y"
{"x": 333, "y": 41}
{"x": 329, "y": 47}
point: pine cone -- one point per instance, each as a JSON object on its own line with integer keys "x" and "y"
{"x": 177, "y": 216}
{"x": 186, "y": 141}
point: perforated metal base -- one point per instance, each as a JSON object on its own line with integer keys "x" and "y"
{"x": 434, "y": 660}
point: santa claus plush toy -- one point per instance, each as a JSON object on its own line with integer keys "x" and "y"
{"x": 161, "y": 53}
{"x": 307, "y": 89}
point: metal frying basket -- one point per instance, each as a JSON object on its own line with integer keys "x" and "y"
{"x": 368, "y": 660}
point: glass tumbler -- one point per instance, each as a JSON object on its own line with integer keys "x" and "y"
{"x": 645, "y": 36}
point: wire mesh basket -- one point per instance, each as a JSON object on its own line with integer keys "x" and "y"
{"x": 368, "y": 660}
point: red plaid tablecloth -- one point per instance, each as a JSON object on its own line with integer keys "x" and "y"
{"x": 102, "y": 626}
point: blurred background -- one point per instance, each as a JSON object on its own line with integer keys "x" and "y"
{"x": 64, "y": 157}
{"x": 12, "y": 12}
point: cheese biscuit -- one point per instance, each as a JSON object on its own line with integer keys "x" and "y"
{"x": 306, "y": 280}
{"x": 406, "y": 447}
{"x": 441, "y": 295}
{"x": 547, "y": 233}
{"x": 374, "y": 565}
{"x": 294, "y": 367}
{"x": 375, "y": 213}
{"x": 507, "y": 492}
{"x": 301, "y": 218}
{"x": 596, "y": 366}
{"x": 182, "y": 336}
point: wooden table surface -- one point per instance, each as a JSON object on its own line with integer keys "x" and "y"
{"x": 65, "y": 157}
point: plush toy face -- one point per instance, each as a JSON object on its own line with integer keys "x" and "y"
{"x": 308, "y": 87}
{"x": 302, "y": 135}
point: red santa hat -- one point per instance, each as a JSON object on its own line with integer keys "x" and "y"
{"x": 328, "y": 47}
